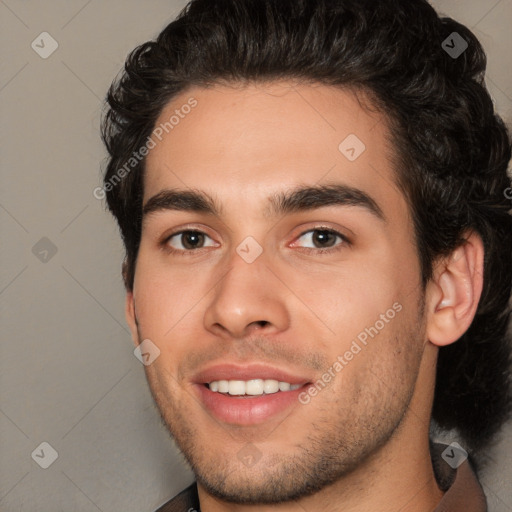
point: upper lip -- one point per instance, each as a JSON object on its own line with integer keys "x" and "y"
{"x": 228, "y": 371}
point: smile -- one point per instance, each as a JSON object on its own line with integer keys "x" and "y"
{"x": 248, "y": 395}
{"x": 253, "y": 387}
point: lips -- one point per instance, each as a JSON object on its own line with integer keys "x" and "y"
{"x": 250, "y": 372}
{"x": 248, "y": 410}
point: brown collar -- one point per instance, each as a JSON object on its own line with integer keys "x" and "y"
{"x": 463, "y": 492}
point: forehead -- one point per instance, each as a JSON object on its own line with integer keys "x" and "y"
{"x": 246, "y": 142}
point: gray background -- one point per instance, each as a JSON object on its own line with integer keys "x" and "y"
{"x": 68, "y": 373}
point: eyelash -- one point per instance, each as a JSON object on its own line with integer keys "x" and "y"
{"x": 345, "y": 242}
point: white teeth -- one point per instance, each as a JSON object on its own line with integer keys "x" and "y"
{"x": 254, "y": 387}
{"x": 251, "y": 387}
{"x": 271, "y": 386}
{"x": 236, "y": 387}
{"x": 223, "y": 386}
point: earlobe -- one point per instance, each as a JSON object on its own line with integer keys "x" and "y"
{"x": 131, "y": 317}
{"x": 454, "y": 292}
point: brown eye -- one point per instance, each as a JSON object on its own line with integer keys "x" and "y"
{"x": 187, "y": 240}
{"x": 323, "y": 238}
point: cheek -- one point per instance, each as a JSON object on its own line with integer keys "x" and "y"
{"x": 347, "y": 300}
{"x": 164, "y": 297}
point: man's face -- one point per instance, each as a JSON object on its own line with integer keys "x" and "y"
{"x": 324, "y": 295}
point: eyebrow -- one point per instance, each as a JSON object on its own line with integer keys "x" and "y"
{"x": 302, "y": 198}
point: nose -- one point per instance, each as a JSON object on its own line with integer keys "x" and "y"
{"x": 248, "y": 298}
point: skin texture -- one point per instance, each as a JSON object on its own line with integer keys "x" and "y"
{"x": 362, "y": 442}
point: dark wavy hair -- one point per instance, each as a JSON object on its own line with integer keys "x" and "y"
{"x": 451, "y": 149}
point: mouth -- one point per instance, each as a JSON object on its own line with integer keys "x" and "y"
{"x": 253, "y": 387}
{"x": 248, "y": 395}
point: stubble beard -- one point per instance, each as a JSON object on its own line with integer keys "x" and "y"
{"x": 343, "y": 435}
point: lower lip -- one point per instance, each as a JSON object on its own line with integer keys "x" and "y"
{"x": 247, "y": 410}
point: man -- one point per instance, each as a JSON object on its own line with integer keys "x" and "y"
{"x": 312, "y": 198}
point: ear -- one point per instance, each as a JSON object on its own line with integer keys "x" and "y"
{"x": 453, "y": 293}
{"x": 131, "y": 317}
